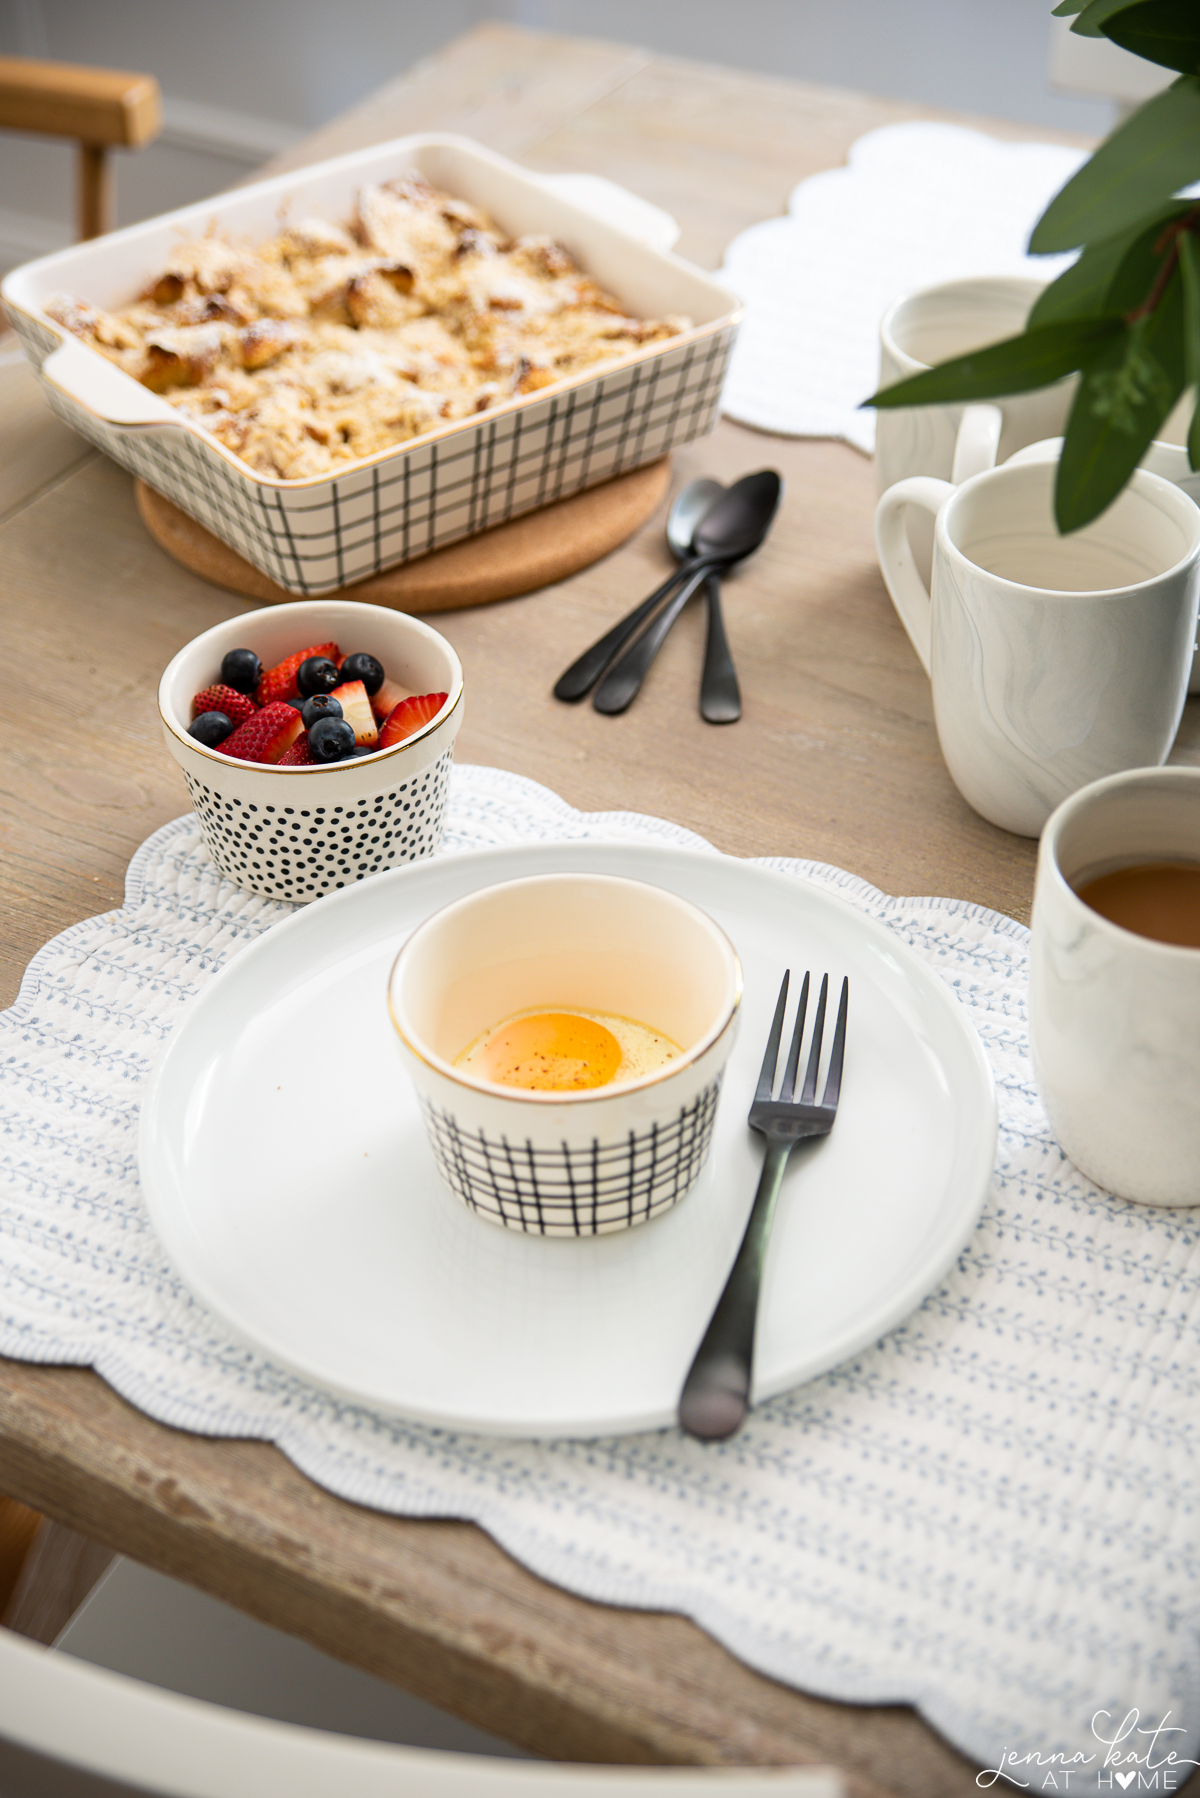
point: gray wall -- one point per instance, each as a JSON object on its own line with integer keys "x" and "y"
{"x": 242, "y": 80}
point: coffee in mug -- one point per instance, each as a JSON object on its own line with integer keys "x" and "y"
{"x": 1160, "y": 900}
{"x": 1114, "y": 1005}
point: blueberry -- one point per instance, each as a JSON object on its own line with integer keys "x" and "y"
{"x": 321, "y": 705}
{"x": 331, "y": 739}
{"x": 317, "y": 675}
{"x": 297, "y": 705}
{"x": 241, "y": 670}
{"x": 211, "y": 728}
{"x": 367, "y": 669}
{"x": 365, "y": 748}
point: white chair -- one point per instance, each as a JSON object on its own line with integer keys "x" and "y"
{"x": 1095, "y": 65}
{"x": 70, "y": 1730}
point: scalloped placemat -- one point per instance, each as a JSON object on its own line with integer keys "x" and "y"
{"x": 990, "y": 1514}
{"x": 915, "y": 204}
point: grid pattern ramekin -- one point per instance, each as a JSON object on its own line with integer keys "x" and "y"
{"x": 583, "y": 1189}
{"x": 568, "y": 1162}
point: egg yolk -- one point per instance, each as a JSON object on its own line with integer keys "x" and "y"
{"x": 552, "y": 1052}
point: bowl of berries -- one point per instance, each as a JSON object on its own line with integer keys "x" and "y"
{"x": 316, "y": 741}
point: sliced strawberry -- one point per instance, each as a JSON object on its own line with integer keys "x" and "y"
{"x": 356, "y": 710}
{"x": 409, "y": 716}
{"x": 236, "y": 706}
{"x": 280, "y": 682}
{"x": 388, "y": 698}
{"x": 267, "y": 736}
{"x": 299, "y": 755}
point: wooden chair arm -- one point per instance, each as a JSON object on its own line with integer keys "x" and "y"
{"x": 18, "y": 1527}
{"x": 97, "y": 106}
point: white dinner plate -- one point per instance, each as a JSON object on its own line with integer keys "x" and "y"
{"x": 289, "y": 1180}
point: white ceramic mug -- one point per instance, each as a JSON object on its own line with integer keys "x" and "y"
{"x": 1167, "y": 459}
{"x": 952, "y": 443}
{"x": 1115, "y": 1017}
{"x": 1054, "y": 659}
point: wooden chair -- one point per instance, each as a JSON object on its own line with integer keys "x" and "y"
{"x": 18, "y": 1527}
{"x": 98, "y": 107}
{"x": 70, "y": 1730}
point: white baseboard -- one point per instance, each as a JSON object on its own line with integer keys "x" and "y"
{"x": 192, "y": 125}
{"x": 23, "y": 236}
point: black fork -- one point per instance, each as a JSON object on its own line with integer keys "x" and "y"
{"x": 716, "y": 1393}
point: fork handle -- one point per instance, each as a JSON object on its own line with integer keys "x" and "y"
{"x": 716, "y": 1393}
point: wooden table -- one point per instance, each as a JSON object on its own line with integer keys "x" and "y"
{"x": 836, "y": 758}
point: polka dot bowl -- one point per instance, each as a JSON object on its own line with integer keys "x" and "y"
{"x": 296, "y": 833}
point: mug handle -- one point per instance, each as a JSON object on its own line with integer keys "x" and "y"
{"x": 977, "y": 443}
{"x": 905, "y": 585}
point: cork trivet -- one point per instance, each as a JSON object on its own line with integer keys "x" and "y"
{"x": 530, "y": 552}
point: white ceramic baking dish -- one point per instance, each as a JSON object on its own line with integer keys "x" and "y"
{"x": 313, "y": 536}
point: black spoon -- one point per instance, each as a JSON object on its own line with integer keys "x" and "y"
{"x": 689, "y": 507}
{"x": 720, "y": 697}
{"x": 733, "y": 530}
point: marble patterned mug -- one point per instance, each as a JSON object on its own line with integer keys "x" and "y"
{"x": 1114, "y": 1016}
{"x": 1055, "y": 660}
{"x": 1167, "y": 459}
{"x": 954, "y": 442}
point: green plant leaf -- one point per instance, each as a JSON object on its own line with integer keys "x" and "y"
{"x": 1065, "y": 8}
{"x": 1124, "y": 396}
{"x": 1092, "y": 16}
{"x": 1163, "y": 31}
{"x": 1140, "y": 166}
{"x": 1017, "y": 365}
{"x": 1082, "y": 290}
{"x": 1189, "y": 269}
{"x": 1193, "y": 442}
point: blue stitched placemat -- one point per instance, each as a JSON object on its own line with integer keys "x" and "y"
{"x": 990, "y": 1514}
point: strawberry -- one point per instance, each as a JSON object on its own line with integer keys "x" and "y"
{"x": 388, "y": 698}
{"x": 236, "y": 706}
{"x": 356, "y": 710}
{"x": 299, "y": 755}
{"x": 280, "y": 682}
{"x": 409, "y": 716}
{"x": 266, "y": 736}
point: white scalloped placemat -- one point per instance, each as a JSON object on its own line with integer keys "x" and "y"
{"x": 989, "y": 1515}
{"x": 915, "y": 204}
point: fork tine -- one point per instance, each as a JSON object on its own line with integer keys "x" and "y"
{"x": 766, "y": 1078}
{"x": 789, "y": 1077}
{"x": 833, "y": 1080}
{"x": 808, "y": 1096}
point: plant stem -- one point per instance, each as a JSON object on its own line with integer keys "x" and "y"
{"x": 1171, "y": 235}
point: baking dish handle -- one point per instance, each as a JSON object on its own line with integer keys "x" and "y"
{"x": 103, "y": 389}
{"x": 617, "y": 206}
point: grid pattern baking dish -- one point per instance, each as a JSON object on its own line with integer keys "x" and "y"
{"x": 572, "y": 1190}
{"x": 314, "y": 536}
